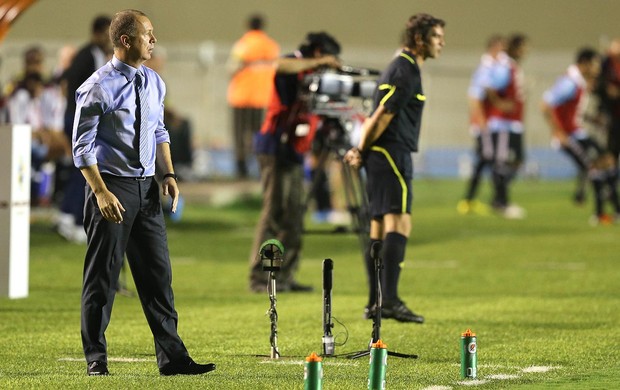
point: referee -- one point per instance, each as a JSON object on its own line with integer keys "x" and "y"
{"x": 389, "y": 137}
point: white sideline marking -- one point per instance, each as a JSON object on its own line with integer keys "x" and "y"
{"x": 492, "y": 377}
{"x": 538, "y": 369}
{"x": 495, "y": 366}
{"x": 114, "y": 359}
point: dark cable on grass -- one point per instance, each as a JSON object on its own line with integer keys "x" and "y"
{"x": 346, "y": 333}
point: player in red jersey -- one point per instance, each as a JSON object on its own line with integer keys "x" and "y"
{"x": 563, "y": 109}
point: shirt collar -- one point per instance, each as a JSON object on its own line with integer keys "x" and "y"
{"x": 408, "y": 55}
{"x": 127, "y": 70}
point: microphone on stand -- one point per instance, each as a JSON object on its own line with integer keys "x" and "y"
{"x": 328, "y": 338}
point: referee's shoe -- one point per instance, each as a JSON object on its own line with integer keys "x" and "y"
{"x": 396, "y": 310}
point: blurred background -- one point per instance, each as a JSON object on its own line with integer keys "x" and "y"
{"x": 195, "y": 38}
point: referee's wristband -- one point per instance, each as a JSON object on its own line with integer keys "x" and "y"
{"x": 172, "y": 175}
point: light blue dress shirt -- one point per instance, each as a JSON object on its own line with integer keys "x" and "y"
{"x": 104, "y": 131}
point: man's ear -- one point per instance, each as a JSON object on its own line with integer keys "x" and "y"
{"x": 125, "y": 41}
{"x": 419, "y": 40}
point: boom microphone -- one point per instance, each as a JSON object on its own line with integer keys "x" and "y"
{"x": 328, "y": 338}
{"x": 328, "y": 267}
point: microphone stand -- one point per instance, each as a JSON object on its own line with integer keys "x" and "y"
{"x": 328, "y": 338}
{"x": 271, "y": 254}
{"x": 375, "y": 253}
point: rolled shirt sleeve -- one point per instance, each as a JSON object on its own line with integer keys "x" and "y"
{"x": 91, "y": 102}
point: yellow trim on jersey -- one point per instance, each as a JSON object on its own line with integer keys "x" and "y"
{"x": 388, "y": 95}
{"x": 400, "y": 178}
{"x": 420, "y": 97}
{"x": 408, "y": 57}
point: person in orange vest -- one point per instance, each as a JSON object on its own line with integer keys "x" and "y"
{"x": 252, "y": 66}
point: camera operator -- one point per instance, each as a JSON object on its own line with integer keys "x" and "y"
{"x": 285, "y": 136}
{"x": 389, "y": 137}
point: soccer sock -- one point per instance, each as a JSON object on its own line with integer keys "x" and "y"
{"x": 501, "y": 195}
{"x": 582, "y": 179}
{"x": 393, "y": 255}
{"x": 612, "y": 182}
{"x": 598, "y": 196}
{"x": 475, "y": 180}
{"x": 370, "y": 271}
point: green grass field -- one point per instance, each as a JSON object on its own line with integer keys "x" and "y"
{"x": 542, "y": 294}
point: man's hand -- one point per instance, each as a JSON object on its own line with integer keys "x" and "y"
{"x": 353, "y": 157}
{"x": 330, "y": 61}
{"x": 110, "y": 207}
{"x": 170, "y": 186}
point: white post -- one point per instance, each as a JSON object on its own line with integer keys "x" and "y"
{"x": 14, "y": 210}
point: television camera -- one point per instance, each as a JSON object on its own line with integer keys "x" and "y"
{"x": 342, "y": 98}
{"x": 340, "y": 93}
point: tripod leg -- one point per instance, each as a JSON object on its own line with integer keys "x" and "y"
{"x": 357, "y": 204}
{"x": 317, "y": 179}
{"x": 375, "y": 254}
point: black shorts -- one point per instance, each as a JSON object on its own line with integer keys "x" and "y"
{"x": 389, "y": 182}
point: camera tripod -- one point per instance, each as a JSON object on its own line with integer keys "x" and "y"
{"x": 334, "y": 145}
{"x": 375, "y": 253}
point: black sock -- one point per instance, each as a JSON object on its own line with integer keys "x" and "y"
{"x": 598, "y": 196}
{"x": 612, "y": 183}
{"x": 370, "y": 271}
{"x": 475, "y": 180}
{"x": 501, "y": 190}
{"x": 393, "y": 255}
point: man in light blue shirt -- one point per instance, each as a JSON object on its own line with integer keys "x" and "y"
{"x": 118, "y": 136}
{"x": 109, "y": 99}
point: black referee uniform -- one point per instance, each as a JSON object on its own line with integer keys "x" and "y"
{"x": 388, "y": 161}
{"x": 389, "y": 168}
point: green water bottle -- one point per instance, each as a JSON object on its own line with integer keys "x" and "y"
{"x": 469, "y": 359}
{"x": 378, "y": 366}
{"x": 313, "y": 372}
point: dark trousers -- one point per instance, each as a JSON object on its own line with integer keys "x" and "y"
{"x": 247, "y": 122}
{"x": 142, "y": 236}
{"x": 281, "y": 217}
{"x": 73, "y": 182}
{"x": 484, "y": 158}
{"x": 507, "y": 158}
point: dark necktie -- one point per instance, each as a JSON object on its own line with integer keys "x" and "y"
{"x": 143, "y": 115}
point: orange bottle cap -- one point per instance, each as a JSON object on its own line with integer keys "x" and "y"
{"x": 379, "y": 344}
{"x": 313, "y": 358}
{"x": 468, "y": 333}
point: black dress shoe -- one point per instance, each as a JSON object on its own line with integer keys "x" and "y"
{"x": 186, "y": 366}
{"x": 400, "y": 312}
{"x": 97, "y": 368}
